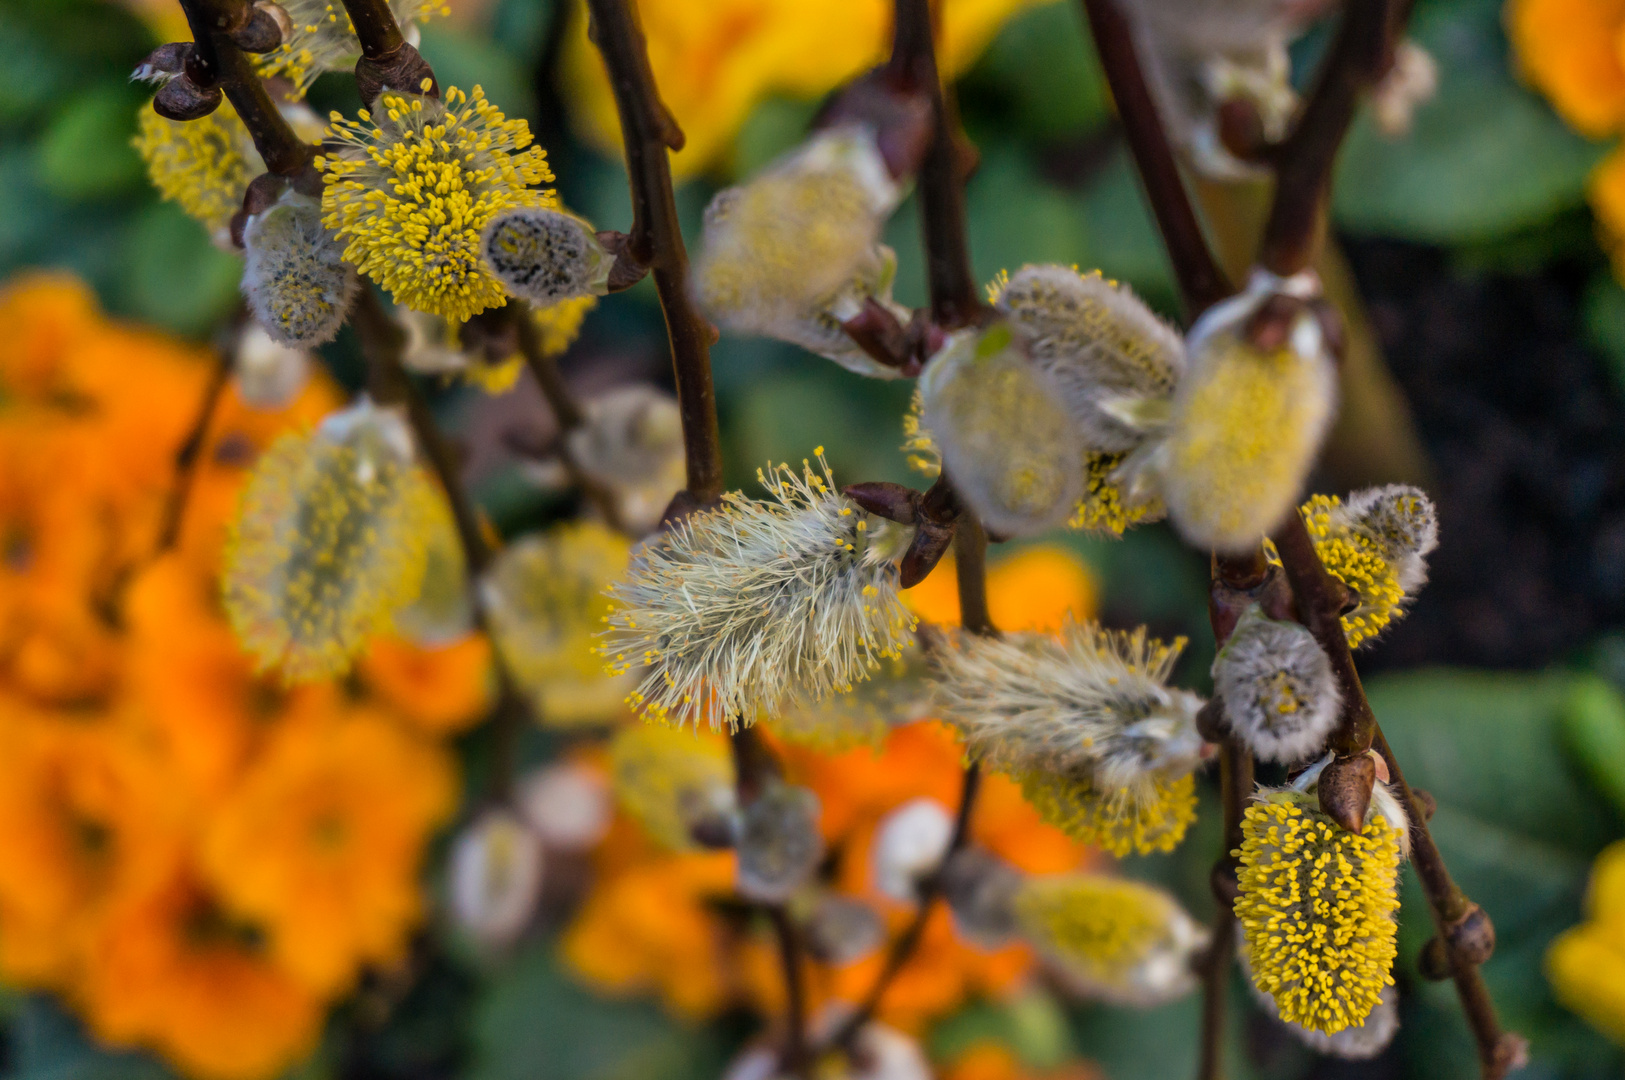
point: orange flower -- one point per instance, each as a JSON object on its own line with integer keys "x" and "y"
{"x": 1033, "y": 589}
{"x": 321, "y": 841}
{"x": 89, "y": 821}
{"x": 176, "y": 973}
{"x": 653, "y": 927}
{"x": 1573, "y": 51}
{"x": 440, "y": 690}
{"x": 714, "y": 61}
{"x": 987, "y": 1060}
{"x": 42, "y": 317}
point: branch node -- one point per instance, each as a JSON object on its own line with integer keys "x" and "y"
{"x": 182, "y": 99}
{"x": 1345, "y": 790}
{"x": 403, "y": 70}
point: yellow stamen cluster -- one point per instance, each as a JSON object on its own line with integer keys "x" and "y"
{"x": 897, "y": 694}
{"x": 1106, "y": 509}
{"x": 1359, "y": 562}
{"x": 919, "y": 447}
{"x": 323, "y": 38}
{"x": 671, "y": 780}
{"x": 204, "y": 165}
{"x": 410, "y": 190}
{"x": 1126, "y": 940}
{"x": 1316, "y": 908}
{"x": 759, "y": 605}
{"x": 546, "y": 603}
{"x": 1145, "y": 817}
{"x": 331, "y": 540}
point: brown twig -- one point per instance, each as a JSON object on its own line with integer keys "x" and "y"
{"x": 648, "y": 131}
{"x": 567, "y": 412}
{"x": 382, "y": 341}
{"x": 375, "y": 28}
{"x": 191, "y": 449}
{"x": 795, "y": 995}
{"x": 1359, "y": 55}
{"x": 218, "y": 61}
{"x": 1202, "y": 282}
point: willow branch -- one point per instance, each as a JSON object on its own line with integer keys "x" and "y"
{"x": 382, "y": 343}
{"x": 375, "y": 28}
{"x": 567, "y": 412}
{"x": 191, "y": 449}
{"x": 648, "y": 131}
{"x": 1359, "y": 55}
{"x": 220, "y": 62}
{"x": 1202, "y": 283}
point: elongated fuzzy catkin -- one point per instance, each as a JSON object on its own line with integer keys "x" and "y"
{"x": 294, "y": 275}
{"x": 759, "y": 604}
{"x": 331, "y": 540}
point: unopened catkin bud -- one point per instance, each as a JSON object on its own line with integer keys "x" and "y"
{"x": 495, "y": 872}
{"x": 980, "y": 889}
{"x": 1247, "y": 420}
{"x": 566, "y": 804}
{"x": 545, "y": 256}
{"x": 779, "y": 246}
{"x": 842, "y": 930}
{"x": 632, "y": 443}
{"x": 1112, "y": 938}
{"x": 269, "y": 374}
{"x": 1114, "y": 361}
{"x": 294, "y": 275}
{"x": 1281, "y": 699}
{"x": 1006, "y": 440}
{"x": 909, "y": 843}
{"x": 330, "y": 542}
{"x": 779, "y": 842}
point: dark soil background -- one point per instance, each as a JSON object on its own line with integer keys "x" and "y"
{"x": 1526, "y": 432}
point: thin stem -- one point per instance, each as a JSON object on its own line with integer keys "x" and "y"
{"x": 970, "y": 568}
{"x": 955, "y": 301}
{"x": 1320, "y": 600}
{"x": 1303, "y": 164}
{"x": 221, "y": 60}
{"x": 375, "y": 28}
{"x": 191, "y": 449}
{"x": 387, "y": 379}
{"x": 1202, "y": 283}
{"x": 790, "y": 958}
{"x": 903, "y": 946}
{"x": 567, "y": 412}
{"x": 655, "y": 240}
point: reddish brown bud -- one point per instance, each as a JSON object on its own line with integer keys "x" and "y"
{"x": 877, "y": 332}
{"x": 894, "y": 502}
{"x": 1210, "y": 722}
{"x": 162, "y": 62}
{"x": 182, "y": 99}
{"x": 1472, "y": 937}
{"x": 1433, "y": 962}
{"x": 403, "y": 70}
{"x": 1241, "y": 130}
{"x": 1511, "y": 1052}
{"x": 900, "y": 119}
{"x": 1345, "y": 790}
{"x": 931, "y": 542}
{"x": 1270, "y": 327}
{"x": 1425, "y": 802}
{"x": 260, "y": 33}
{"x": 264, "y": 190}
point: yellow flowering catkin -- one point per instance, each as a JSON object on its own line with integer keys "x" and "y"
{"x": 1146, "y": 816}
{"x": 412, "y": 186}
{"x": 1106, "y": 508}
{"x": 1316, "y": 907}
{"x": 323, "y": 38}
{"x": 1124, "y": 940}
{"x": 1377, "y": 544}
{"x": 671, "y": 781}
{"x": 330, "y": 541}
{"x": 204, "y": 165}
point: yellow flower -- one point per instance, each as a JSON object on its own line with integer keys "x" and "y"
{"x": 714, "y": 61}
{"x": 411, "y": 187}
{"x": 1316, "y": 908}
{"x": 670, "y": 780}
{"x": 204, "y": 165}
{"x": 1106, "y": 509}
{"x": 321, "y": 842}
{"x": 1586, "y": 964}
{"x": 1573, "y": 51}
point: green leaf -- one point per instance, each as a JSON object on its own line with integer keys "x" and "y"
{"x": 1594, "y": 728}
{"x": 1604, "y": 308}
{"x": 1017, "y": 217}
{"x": 462, "y": 60}
{"x": 47, "y": 1043}
{"x": 532, "y": 1023}
{"x": 1484, "y": 157}
{"x": 773, "y": 127}
{"x": 173, "y": 277}
{"x": 1043, "y": 70}
{"x": 86, "y": 151}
